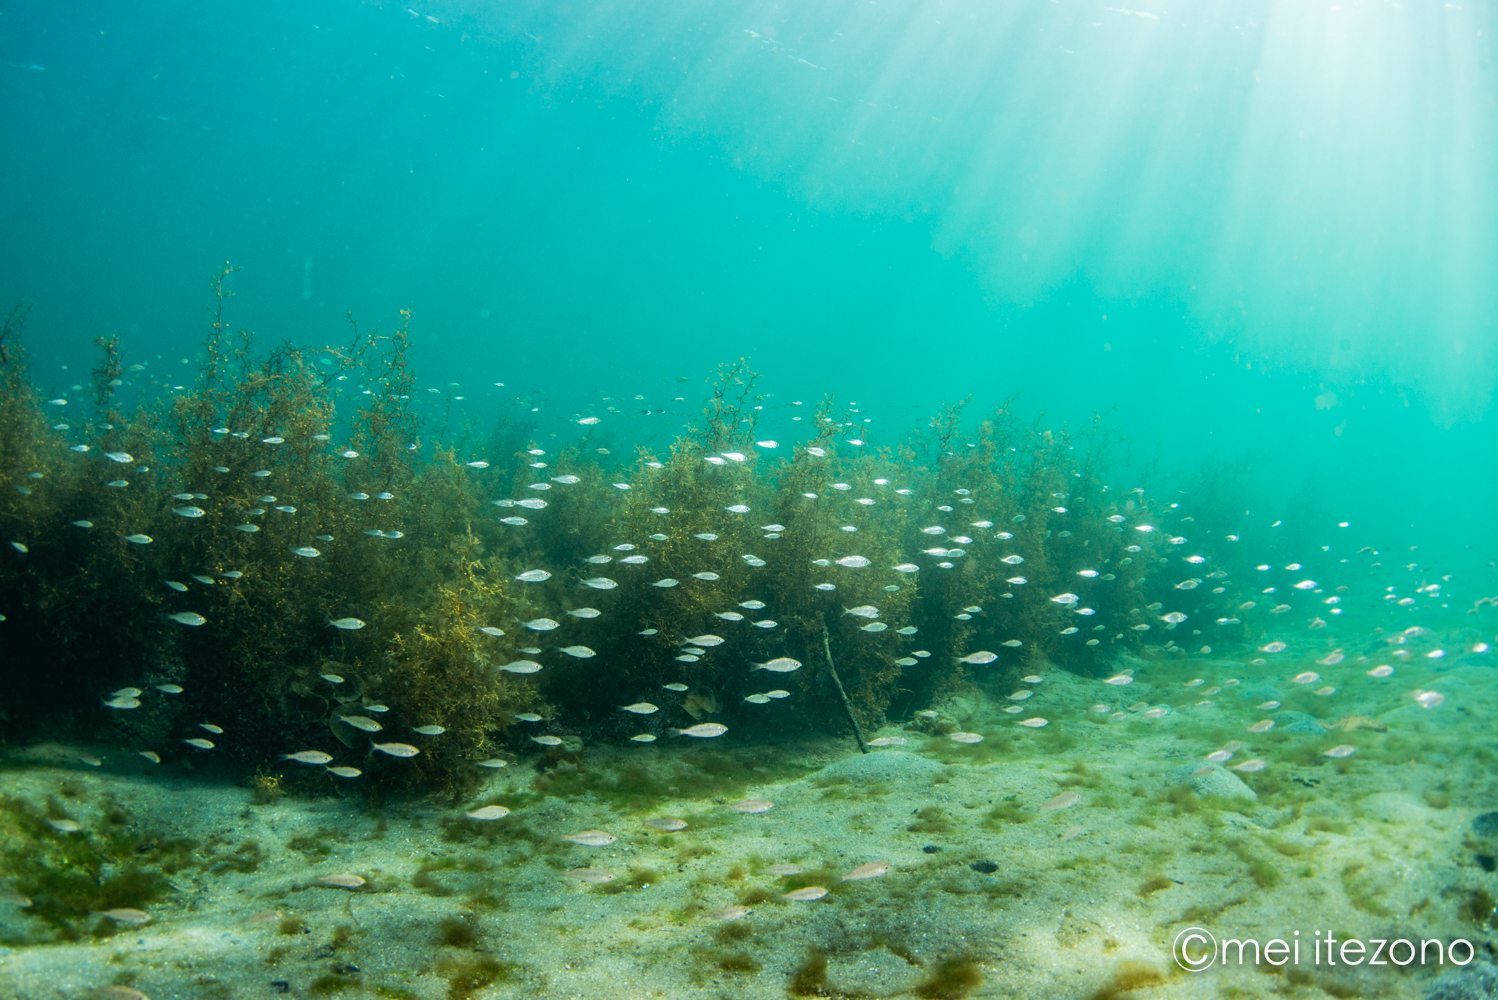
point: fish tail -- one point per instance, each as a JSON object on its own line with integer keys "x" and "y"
{"x": 673, "y": 732}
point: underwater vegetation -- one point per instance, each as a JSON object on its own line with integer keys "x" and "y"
{"x": 269, "y": 559}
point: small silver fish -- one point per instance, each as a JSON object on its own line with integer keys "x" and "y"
{"x": 581, "y": 652}
{"x": 752, "y": 806}
{"x": 151, "y": 756}
{"x": 127, "y": 915}
{"x": 365, "y": 723}
{"x": 341, "y": 881}
{"x": 491, "y": 630}
{"x": 428, "y": 730}
{"x": 349, "y": 624}
{"x": 751, "y": 605}
{"x": 487, "y": 813}
{"x": 520, "y": 667}
{"x": 345, "y": 772}
{"x": 396, "y": 749}
{"x": 541, "y": 624}
{"x": 871, "y": 870}
{"x": 187, "y": 618}
{"x": 805, "y": 895}
{"x": 138, "y": 539}
{"x": 731, "y": 912}
{"x": 644, "y": 738}
{"x": 314, "y": 757}
{"x": 669, "y": 824}
{"x": 702, "y": 730}
{"x": 306, "y": 552}
{"x": 640, "y": 708}
{"x": 979, "y": 658}
{"x": 1065, "y": 800}
{"x": 591, "y": 838}
{"x": 547, "y": 741}
{"x": 533, "y": 576}
{"x": 189, "y": 511}
{"x": 200, "y": 743}
{"x": 675, "y": 687}
{"x": 215, "y": 730}
{"x": 780, "y": 665}
{"x": 585, "y": 612}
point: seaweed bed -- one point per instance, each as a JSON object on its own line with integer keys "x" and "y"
{"x": 197, "y": 500}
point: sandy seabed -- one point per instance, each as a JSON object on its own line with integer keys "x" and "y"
{"x": 988, "y": 894}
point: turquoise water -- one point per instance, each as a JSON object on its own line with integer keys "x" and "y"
{"x": 1257, "y": 238}
{"x": 1268, "y": 204}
